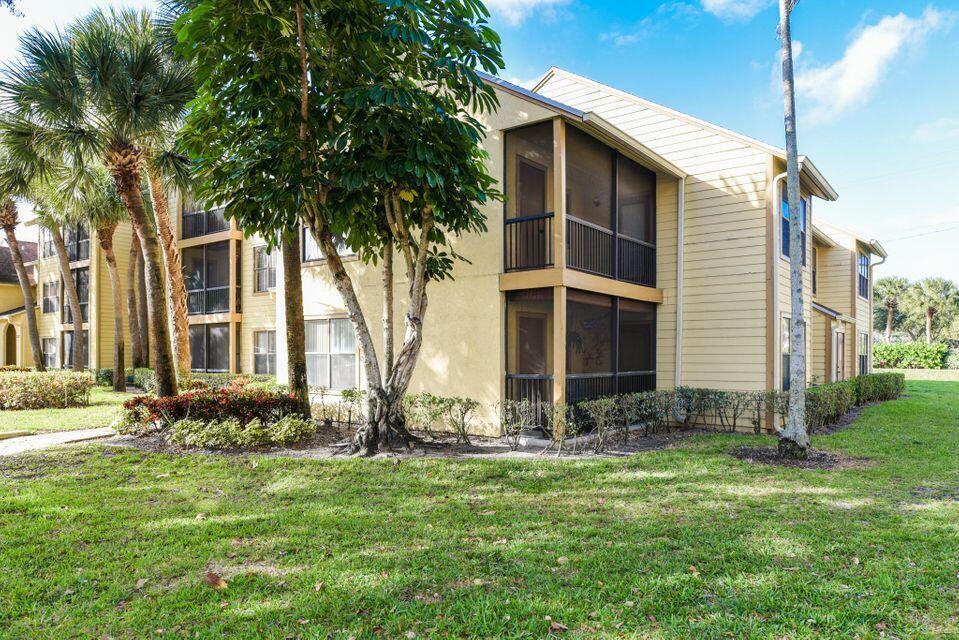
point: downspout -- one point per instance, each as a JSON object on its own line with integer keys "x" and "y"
{"x": 872, "y": 301}
{"x": 774, "y": 266}
{"x": 680, "y": 241}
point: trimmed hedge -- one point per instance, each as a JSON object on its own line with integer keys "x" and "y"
{"x": 45, "y": 389}
{"x": 230, "y": 433}
{"x": 146, "y": 380}
{"x": 910, "y": 355}
{"x": 207, "y": 405}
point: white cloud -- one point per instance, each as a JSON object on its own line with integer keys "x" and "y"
{"x": 735, "y": 9}
{"x": 937, "y": 130}
{"x": 665, "y": 16}
{"x": 526, "y": 83}
{"x": 833, "y": 89}
{"x": 516, "y": 11}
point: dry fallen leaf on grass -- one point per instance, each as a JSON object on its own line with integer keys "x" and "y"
{"x": 140, "y": 583}
{"x": 215, "y": 581}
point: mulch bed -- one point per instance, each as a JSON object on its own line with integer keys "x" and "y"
{"x": 843, "y": 422}
{"x": 821, "y": 460}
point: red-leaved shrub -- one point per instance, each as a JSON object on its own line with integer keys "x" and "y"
{"x": 215, "y": 404}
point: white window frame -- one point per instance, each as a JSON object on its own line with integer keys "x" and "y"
{"x": 49, "y": 356}
{"x": 264, "y": 262}
{"x": 315, "y": 357}
{"x": 269, "y": 354}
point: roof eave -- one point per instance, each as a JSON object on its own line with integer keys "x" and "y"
{"x": 817, "y": 179}
{"x": 602, "y": 126}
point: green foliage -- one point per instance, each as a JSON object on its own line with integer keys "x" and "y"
{"x": 45, "y": 390}
{"x": 459, "y": 416}
{"x": 423, "y": 411}
{"x": 879, "y": 387}
{"x": 952, "y": 362}
{"x": 145, "y": 379}
{"x": 910, "y": 355}
{"x": 827, "y": 403}
{"x": 231, "y": 433}
{"x": 514, "y": 416}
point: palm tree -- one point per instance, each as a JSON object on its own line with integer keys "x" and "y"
{"x": 166, "y": 169}
{"x": 932, "y": 299}
{"x": 88, "y": 194}
{"x": 891, "y": 290}
{"x": 51, "y": 215}
{"x": 9, "y": 219}
{"x": 105, "y": 92}
{"x": 794, "y": 439}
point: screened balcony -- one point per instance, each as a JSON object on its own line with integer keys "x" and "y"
{"x": 610, "y": 346}
{"x": 206, "y": 272}
{"x": 609, "y": 210}
{"x": 203, "y": 223}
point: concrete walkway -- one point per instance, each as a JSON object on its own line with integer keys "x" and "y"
{"x": 14, "y": 446}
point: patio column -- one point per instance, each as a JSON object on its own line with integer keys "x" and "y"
{"x": 559, "y": 193}
{"x": 559, "y": 344}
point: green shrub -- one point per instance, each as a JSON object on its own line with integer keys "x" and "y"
{"x": 910, "y": 355}
{"x": 878, "y": 387}
{"x": 231, "y": 433}
{"x": 952, "y": 362}
{"x": 145, "y": 379}
{"x": 45, "y": 389}
{"x": 827, "y": 403}
{"x": 135, "y": 422}
{"x": 233, "y": 380}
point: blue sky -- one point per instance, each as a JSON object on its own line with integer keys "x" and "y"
{"x": 878, "y": 105}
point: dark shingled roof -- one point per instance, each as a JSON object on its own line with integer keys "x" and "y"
{"x": 8, "y": 272}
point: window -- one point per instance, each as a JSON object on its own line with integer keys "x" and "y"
{"x": 863, "y": 353}
{"x": 863, "y": 269}
{"x": 330, "y": 354}
{"x": 264, "y": 270}
{"x": 785, "y": 225}
{"x": 210, "y": 348}
{"x": 77, "y": 239}
{"x": 68, "y": 349}
{"x": 81, "y": 279}
{"x": 47, "y": 249}
{"x": 264, "y": 352}
{"x": 786, "y": 350}
{"x": 815, "y": 269}
{"x": 311, "y": 250}
{"x": 49, "y": 348}
{"x": 51, "y": 297}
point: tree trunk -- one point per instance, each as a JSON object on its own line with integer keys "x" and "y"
{"x": 794, "y": 439}
{"x": 890, "y": 316}
{"x": 295, "y": 327}
{"x": 144, "y": 315}
{"x": 105, "y": 237}
{"x": 73, "y": 298}
{"x": 125, "y": 164}
{"x": 174, "y": 268}
{"x": 29, "y": 305}
{"x": 929, "y": 316}
{"x": 133, "y": 306}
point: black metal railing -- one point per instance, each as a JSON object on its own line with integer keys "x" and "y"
{"x": 528, "y": 243}
{"x": 589, "y": 386}
{"x": 537, "y": 389}
{"x": 202, "y": 223}
{"x": 589, "y": 247}
{"x": 637, "y": 261}
{"x": 211, "y": 300}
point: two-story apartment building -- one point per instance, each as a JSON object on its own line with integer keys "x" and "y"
{"x": 14, "y": 341}
{"x": 638, "y": 248}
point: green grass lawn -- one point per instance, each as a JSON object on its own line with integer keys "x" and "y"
{"x": 102, "y": 410}
{"x": 687, "y": 542}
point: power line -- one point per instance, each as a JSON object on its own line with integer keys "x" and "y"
{"x": 927, "y": 233}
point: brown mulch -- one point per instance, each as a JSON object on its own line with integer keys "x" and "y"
{"x": 821, "y": 460}
{"x": 844, "y": 422}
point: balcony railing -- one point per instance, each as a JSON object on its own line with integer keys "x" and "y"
{"x": 537, "y": 389}
{"x": 211, "y": 300}
{"x": 637, "y": 261}
{"x": 589, "y": 386}
{"x": 202, "y": 223}
{"x": 528, "y": 243}
{"x": 589, "y": 247}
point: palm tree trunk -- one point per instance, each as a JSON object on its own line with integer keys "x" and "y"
{"x": 929, "y": 316}
{"x": 28, "y": 303}
{"x": 143, "y": 316}
{"x": 105, "y": 237}
{"x": 890, "y": 316}
{"x": 134, "y": 315}
{"x": 174, "y": 268}
{"x": 124, "y": 164}
{"x": 295, "y": 328}
{"x": 73, "y": 298}
{"x": 794, "y": 439}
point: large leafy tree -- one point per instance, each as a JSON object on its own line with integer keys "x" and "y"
{"x": 357, "y": 121}
{"x": 106, "y": 92}
{"x": 933, "y": 301}
{"x": 890, "y": 293}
